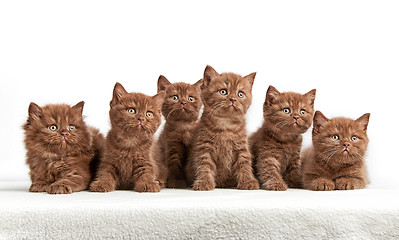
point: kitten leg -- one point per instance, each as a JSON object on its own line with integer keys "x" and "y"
{"x": 70, "y": 184}
{"x": 144, "y": 176}
{"x": 268, "y": 173}
{"x": 105, "y": 180}
{"x": 244, "y": 172}
{"x": 176, "y": 177}
{"x": 38, "y": 186}
{"x": 39, "y": 182}
{"x": 293, "y": 176}
{"x": 205, "y": 173}
{"x": 349, "y": 183}
{"x": 317, "y": 183}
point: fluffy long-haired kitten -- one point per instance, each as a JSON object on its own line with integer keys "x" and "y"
{"x": 181, "y": 107}
{"x": 276, "y": 145}
{"x": 62, "y": 152}
{"x": 127, "y": 164}
{"x": 336, "y": 159}
{"x": 220, "y": 156}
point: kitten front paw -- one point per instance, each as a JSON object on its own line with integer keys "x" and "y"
{"x": 321, "y": 184}
{"x": 98, "y": 186}
{"x": 348, "y": 184}
{"x": 252, "y": 184}
{"x": 59, "y": 188}
{"x": 177, "y": 183}
{"x": 293, "y": 181}
{"x": 275, "y": 185}
{"x": 201, "y": 185}
{"x": 147, "y": 187}
{"x": 38, "y": 187}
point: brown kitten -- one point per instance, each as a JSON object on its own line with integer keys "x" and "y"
{"x": 335, "y": 161}
{"x": 220, "y": 156}
{"x": 181, "y": 107}
{"x": 62, "y": 152}
{"x": 135, "y": 118}
{"x": 276, "y": 146}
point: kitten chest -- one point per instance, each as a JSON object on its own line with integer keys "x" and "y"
{"x": 224, "y": 158}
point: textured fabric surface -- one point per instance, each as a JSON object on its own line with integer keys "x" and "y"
{"x": 185, "y": 214}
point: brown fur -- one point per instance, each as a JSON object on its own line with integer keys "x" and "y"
{"x": 127, "y": 163}
{"x": 220, "y": 156}
{"x": 326, "y": 166}
{"x": 181, "y": 108}
{"x": 59, "y": 166}
{"x": 276, "y": 146}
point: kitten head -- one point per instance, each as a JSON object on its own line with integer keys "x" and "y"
{"x": 288, "y": 112}
{"x": 182, "y": 101}
{"x": 57, "y": 126}
{"x": 135, "y": 113}
{"x": 227, "y": 94}
{"x": 340, "y": 140}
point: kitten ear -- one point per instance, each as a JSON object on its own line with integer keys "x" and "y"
{"x": 159, "y": 98}
{"x": 162, "y": 83}
{"x": 364, "y": 121}
{"x": 209, "y": 73}
{"x": 35, "y": 112}
{"x": 271, "y": 95}
{"x": 311, "y": 95}
{"x": 79, "y": 107}
{"x": 318, "y": 121}
{"x": 251, "y": 78}
{"x": 119, "y": 91}
{"x": 198, "y": 84}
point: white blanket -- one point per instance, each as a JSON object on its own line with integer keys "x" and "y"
{"x": 185, "y": 214}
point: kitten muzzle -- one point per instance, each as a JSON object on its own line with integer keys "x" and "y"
{"x": 345, "y": 150}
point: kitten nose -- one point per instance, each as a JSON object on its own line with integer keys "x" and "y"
{"x": 64, "y": 134}
{"x": 346, "y": 144}
{"x": 183, "y": 102}
{"x": 141, "y": 119}
{"x": 296, "y": 117}
{"x": 233, "y": 99}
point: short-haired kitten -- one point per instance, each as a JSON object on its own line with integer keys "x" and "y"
{"x": 181, "y": 107}
{"x": 127, "y": 164}
{"x": 220, "y": 156}
{"x": 276, "y": 146}
{"x": 336, "y": 159}
{"x": 62, "y": 152}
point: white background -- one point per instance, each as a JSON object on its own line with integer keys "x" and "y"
{"x": 68, "y": 51}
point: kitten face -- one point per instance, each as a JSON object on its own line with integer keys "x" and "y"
{"x": 182, "y": 100}
{"x": 56, "y": 126}
{"x": 227, "y": 94}
{"x": 135, "y": 113}
{"x": 340, "y": 140}
{"x": 289, "y": 112}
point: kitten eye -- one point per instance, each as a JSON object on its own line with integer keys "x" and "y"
{"x": 149, "y": 114}
{"x": 191, "y": 99}
{"x": 175, "y": 97}
{"x": 131, "y": 111}
{"x": 286, "y": 111}
{"x": 223, "y": 92}
{"x": 53, "y": 128}
{"x": 335, "y": 137}
{"x": 240, "y": 94}
{"x": 354, "y": 138}
{"x": 71, "y": 128}
{"x": 302, "y": 112}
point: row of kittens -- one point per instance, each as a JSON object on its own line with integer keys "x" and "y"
{"x": 65, "y": 156}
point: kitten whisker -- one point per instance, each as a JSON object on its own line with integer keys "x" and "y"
{"x": 280, "y": 125}
{"x": 329, "y": 157}
{"x": 167, "y": 117}
{"x": 216, "y": 108}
